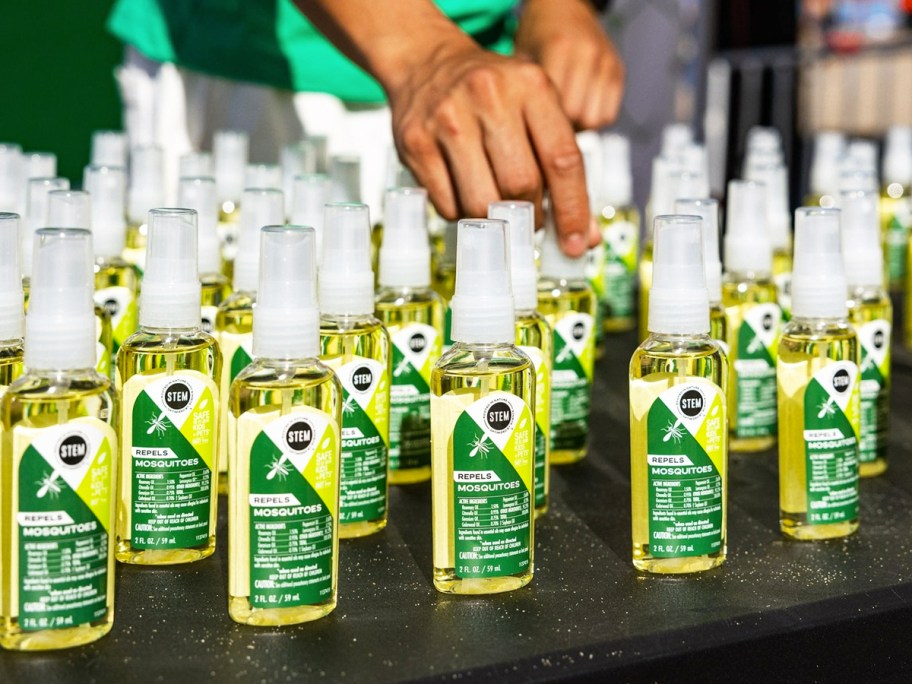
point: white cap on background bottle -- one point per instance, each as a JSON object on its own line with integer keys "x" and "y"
{"x": 107, "y": 190}
{"x": 862, "y": 154}
{"x": 520, "y": 218}
{"x": 38, "y": 190}
{"x": 60, "y": 326}
{"x": 747, "y": 242}
{"x": 171, "y": 291}
{"x": 675, "y": 137}
{"x": 109, "y": 148}
{"x": 309, "y": 194}
{"x": 590, "y": 146}
{"x": 263, "y": 176}
{"x": 617, "y": 180}
{"x": 778, "y": 217}
{"x": 297, "y": 159}
{"x": 861, "y": 247}
{"x": 685, "y": 185}
{"x": 764, "y": 139}
{"x": 678, "y": 298}
{"x": 482, "y": 306}
{"x": 147, "y": 182}
{"x": 34, "y": 165}
{"x": 854, "y": 178}
{"x": 397, "y": 174}
{"x": 11, "y": 299}
{"x": 286, "y": 319}
{"x": 345, "y": 176}
{"x": 553, "y": 263}
{"x": 346, "y": 277}
{"x": 659, "y": 190}
{"x": 829, "y": 146}
{"x": 229, "y": 156}
{"x": 818, "y": 276}
{"x": 405, "y": 255}
{"x": 69, "y": 209}
{"x": 195, "y": 165}
{"x": 897, "y": 158}
{"x": 259, "y": 207}
{"x": 10, "y": 177}
{"x": 708, "y": 211}
{"x": 199, "y": 194}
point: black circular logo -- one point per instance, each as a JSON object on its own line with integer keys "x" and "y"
{"x": 841, "y": 380}
{"x": 579, "y": 331}
{"x": 206, "y": 325}
{"x": 112, "y": 306}
{"x": 417, "y": 342}
{"x": 767, "y": 321}
{"x": 362, "y": 378}
{"x": 499, "y": 416}
{"x": 690, "y": 403}
{"x": 178, "y": 395}
{"x": 299, "y": 435}
{"x": 73, "y": 450}
{"x": 879, "y": 339}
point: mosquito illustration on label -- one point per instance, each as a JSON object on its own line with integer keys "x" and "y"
{"x": 827, "y": 408}
{"x": 674, "y": 431}
{"x": 755, "y": 345}
{"x": 565, "y": 354}
{"x": 157, "y": 425}
{"x": 348, "y": 408}
{"x": 49, "y": 485}
{"x": 401, "y": 368}
{"x": 279, "y": 466}
{"x": 867, "y": 363}
{"x": 479, "y": 445}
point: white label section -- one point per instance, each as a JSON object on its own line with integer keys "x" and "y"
{"x": 875, "y": 338}
{"x": 575, "y": 329}
{"x": 296, "y": 426}
{"x": 415, "y": 341}
{"x": 175, "y": 396}
{"x": 69, "y": 450}
{"x": 765, "y": 320}
{"x": 690, "y": 404}
{"x": 497, "y": 414}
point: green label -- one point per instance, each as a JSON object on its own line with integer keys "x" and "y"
{"x": 294, "y": 465}
{"x": 755, "y": 371}
{"x": 875, "y": 380}
{"x": 831, "y": 417}
{"x": 237, "y": 352}
{"x": 120, "y": 303}
{"x": 365, "y": 434}
{"x": 172, "y": 448}
{"x": 686, "y": 465}
{"x": 542, "y": 420}
{"x": 492, "y": 487}
{"x": 65, "y": 497}
{"x": 102, "y": 352}
{"x": 897, "y": 241}
{"x": 620, "y": 242}
{"x": 571, "y": 378}
{"x": 416, "y": 347}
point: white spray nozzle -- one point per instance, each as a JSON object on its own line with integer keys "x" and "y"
{"x": 747, "y": 242}
{"x": 297, "y": 159}
{"x": 854, "y": 179}
{"x": 38, "y": 191}
{"x": 708, "y": 211}
{"x": 60, "y": 326}
{"x": 195, "y": 165}
{"x": 764, "y": 139}
{"x": 897, "y": 159}
{"x": 553, "y": 263}
{"x": 40, "y": 165}
{"x": 10, "y": 177}
{"x": 590, "y": 146}
{"x": 818, "y": 276}
{"x": 617, "y": 180}
{"x": 862, "y": 154}
{"x": 397, "y": 174}
{"x": 259, "y": 207}
{"x": 405, "y": 255}
{"x": 685, "y": 185}
{"x": 200, "y": 195}
{"x": 229, "y": 156}
{"x": 482, "y": 305}
{"x": 861, "y": 248}
{"x": 11, "y": 314}
{"x": 678, "y": 298}
{"x": 262, "y": 176}
{"x": 69, "y": 209}
{"x": 171, "y": 289}
{"x": 778, "y": 217}
{"x": 346, "y": 278}
{"x": 286, "y": 319}
{"x": 109, "y": 148}
{"x": 147, "y": 182}
{"x": 829, "y": 146}
{"x": 675, "y": 137}
{"x": 309, "y": 194}
{"x": 520, "y": 218}
{"x": 345, "y": 175}
{"x": 107, "y": 186}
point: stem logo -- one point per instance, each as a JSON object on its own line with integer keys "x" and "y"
{"x": 299, "y": 436}
{"x": 73, "y": 449}
{"x": 579, "y": 331}
{"x": 112, "y": 306}
{"x": 879, "y": 339}
{"x": 177, "y": 395}
{"x": 362, "y": 378}
{"x": 499, "y": 416}
{"x": 417, "y": 342}
{"x": 841, "y": 380}
{"x": 692, "y": 402}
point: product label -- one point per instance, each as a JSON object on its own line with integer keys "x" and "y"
{"x": 595, "y": 271}
{"x": 571, "y": 379}
{"x": 207, "y": 318}
{"x": 365, "y": 436}
{"x": 172, "y": 451}
{"x": 784, "y": 289}
{"x": 542, "y": 420}
{"x": 686, "y": 462}
{"x": 492, "y": 487}
{"x": 897, "y": 240}
{"x": 416, "y": 347}
{"x": 120, "y": 303}
{"x": 621, "y": 247}
{"x": 875, "y": 381}
{"x": 102, "y": 352}
{"x": 294, "y": 471}
{"x": 237, "y": 353}
{"x": 64, "y": 512}
{"x": 755, "y": 371}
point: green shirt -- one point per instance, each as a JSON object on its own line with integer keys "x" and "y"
{"x": 272, "y": 43}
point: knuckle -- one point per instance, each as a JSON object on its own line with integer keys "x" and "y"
{"x": 535, "y": 77}
{"x": 484, "y": 83}
{"x": 565, "y": 161}
{"x": 523, "y": 182}
{"x": 415, "y": 140}
{"x": 446, "y": 119}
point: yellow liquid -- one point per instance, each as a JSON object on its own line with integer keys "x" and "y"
{"x": 737, "y": 297}
{"x": 11, "y": 355}
{"x": 153, "y": 353}
{"x": 804, "y": 349}
{"x": 658, "y": 364}
{"x": 396, "y": 309}
{"x": 104, "y": 349}
{"x": 619, "y": 215}
{"x": 645, "y": 276}
{"x": 718, "y": 324}
{"x": 135, "y": 248}
{"x": 228, "y": 226}
{"x": 532, "y": 330}
{"x": 42, "y": 400}
{"x": 376, "y": 242}
{"x": 342, "y": 338}
{"x": 895, "y": 220}
{"x": 569, "y": 439}
{"x": 273, "y": 389}
{"x": 116, "y": 272}
{"x": 470, "y": 373}
{"x": 863, "y": 309}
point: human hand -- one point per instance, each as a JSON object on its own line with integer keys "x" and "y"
{"x": 567, "y": 40}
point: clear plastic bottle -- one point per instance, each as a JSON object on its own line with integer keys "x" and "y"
{"x": 229, "y": 159}
{"x": 11, "y": 308}
{"x": 708, "y": 211}
{"x": 38, "y": 190}
{"x": 109, "y": 148}
{"x": 829, "y": 148}
{"x": 896, "y": 203}
{"x": 774, "y": 177}
{"x": 146, "y": 191}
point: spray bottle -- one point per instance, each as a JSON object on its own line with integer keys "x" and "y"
{"x": 229, "y": 159}
{"x": 896, "y": 202}
{"x": 38, "y": 191}
{"x": 779, "y": 225}
{"x": 11, "y": 306}
{"x": 708, "y": 211}
{"x": 147, "y": 191}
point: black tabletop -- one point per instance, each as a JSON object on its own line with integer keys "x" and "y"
{"x": 781, "y": 610}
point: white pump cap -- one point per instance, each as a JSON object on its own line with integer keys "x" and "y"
{"x": 195, "y": 165}
{"x": 685, "y": 185}
{"x": 319, "y": 146}
{"x": 764, "y": 138}
{"x": 309, "y": 194}
{"x": 678, "y": 299}
{"x": 854, "y": 178}
{"x": 897, "y": 159}
{"x": 286, "y": 319}
{"x": 11, "y": 310}
{"x": 10, "y": 177}
{"x": 405, "y": 255}
{"x": 34, "y": 165}
{"x": 107, "y": 188}
{"x": 297, "y": 159}
{"x": 263, "y": 176}
{"x": 747, "y": 241}
{"x": 520, "y": 218}
{"x": 829, "y": 146}
{"x": 862, "y": 154}
{"x": 617, "y": 180}
{"x": 60, "y": 326}
{"x": 345, "y": 174}
{"x": 109, "y": 148}
{"x": 199, "y": 194}
{"x": 69, "y": 209}
{"x": 482, "y": 305}
{"x": 590, "y": 146}
{"x": 818, "y": 277}
{"x": 553, "y": 263}
{"x": 229, "y": 154}
{"x": 708, "y": 211}
{"x": 346, "y": 278}
{"x": 38, "y": 190}
{"x": 171, "y": 290}
{"x": 675, "y": 137}
{"x": 778, "y": 217}
{"x": 861, "y": 248}
{"x": 259, "y": 207}
{"x": 147, "y": 182}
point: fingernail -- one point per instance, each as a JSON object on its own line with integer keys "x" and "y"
{"x": 573, "y": 244}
